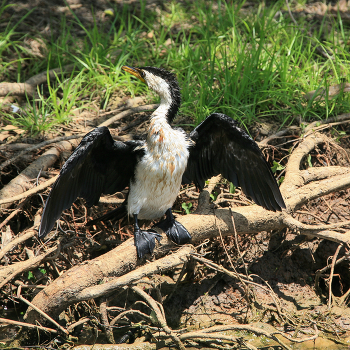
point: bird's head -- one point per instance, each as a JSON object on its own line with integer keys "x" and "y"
{"x": 161, "y": 82}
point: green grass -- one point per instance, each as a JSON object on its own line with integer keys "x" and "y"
{"x": 249, "y": 64}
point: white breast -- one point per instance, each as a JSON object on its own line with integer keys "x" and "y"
{"x": 159, "y": 173}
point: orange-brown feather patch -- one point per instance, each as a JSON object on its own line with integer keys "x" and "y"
{"x": 171, "y": 167}
{"x": 161, "y": 135}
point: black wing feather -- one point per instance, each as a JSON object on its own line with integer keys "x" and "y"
{"x": 221, "y": 147}
{"x": 98, "y": 165}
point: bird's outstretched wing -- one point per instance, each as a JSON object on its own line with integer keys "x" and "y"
{"x": 221, "y": 147}
{"x": 98, "y": 165}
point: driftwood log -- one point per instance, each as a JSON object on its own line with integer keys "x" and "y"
{"x": 120, "y": 265}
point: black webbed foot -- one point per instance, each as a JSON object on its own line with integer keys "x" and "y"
{"x": 145, "y": 241}
{"x": 173, "y": 229}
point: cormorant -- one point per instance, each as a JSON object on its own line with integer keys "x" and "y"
{"x": 154, "y": 168}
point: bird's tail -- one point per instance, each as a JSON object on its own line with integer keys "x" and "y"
{"x": 114, "y": 215}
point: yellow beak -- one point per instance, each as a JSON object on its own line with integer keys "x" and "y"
{"x": 134, "y": 71}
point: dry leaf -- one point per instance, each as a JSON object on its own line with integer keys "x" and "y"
{"x": 6, "y": 237}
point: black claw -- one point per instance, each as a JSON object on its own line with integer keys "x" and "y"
{"x": 145, "y": 242}
{"x": 174, "y": 230}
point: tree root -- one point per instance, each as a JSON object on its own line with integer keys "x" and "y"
{"x": 9, "y": 272}
{"x": 138, "y": 346}
{"x": 20, "y": 297}
{"x": 79, "y": 283}
{"x": 38, "y": 146}
{"x": 248, "y": 328}
{"x": 122, "y": 268}
{"x": 29, "y": 87}
{"x": 164, "y": 264}
{"x": 129, "y": 112}
{"x": 158, "y": 309}
{"x": 28, "y": 193}
{"x": 334, "y": 259}
{"x": 23, "y": 181}
{"x": 104, "y": 318}
{"x": 18, "y": 240}
{"x": 24, "y": 324}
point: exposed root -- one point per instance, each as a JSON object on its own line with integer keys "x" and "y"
{"x": 9, "y": 272}
{"x": 157, "y": 308}
{"x": 23, "y": 181}
{"x": 129, "y": 112}
{"x": 19, "y": 239}
{"x": 163, "y": 264}
{"x": 82, "y": 281}
{"x": 293, "y": 178}
{"x": 140, "y": 346}
{"x": 104, "y": 318}
{"x": 30, "y": 192}
{"x": 24, "y": 324}
{"x": 20, "y": 297}
{"x": 334, "y": 259}
{"x": 38, "y": 146}
{"x": 29, "y": 87}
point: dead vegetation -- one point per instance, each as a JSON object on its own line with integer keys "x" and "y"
{"x": 85, "y": 288}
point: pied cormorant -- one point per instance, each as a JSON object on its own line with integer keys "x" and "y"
{"x": 154, "y": 168}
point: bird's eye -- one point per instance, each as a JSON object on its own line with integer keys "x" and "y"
{"x": 143, "y": 74}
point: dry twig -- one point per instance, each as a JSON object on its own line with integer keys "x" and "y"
{"x": 20, "y": 297}
{"x": 24, "y": 324}
{"x": 104, "y": 318}
{"x": 160, "y": 316}
{"x": 334, "y": 259}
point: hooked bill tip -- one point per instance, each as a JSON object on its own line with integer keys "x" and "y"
{"x": 134, "y": 71}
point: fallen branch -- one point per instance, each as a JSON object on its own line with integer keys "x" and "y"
{"x": 332, "y": 91}
{"x": 7, "y": 273}
{"x": 140, "y": 346}
{"x": 38, "y": 146}
{"x": 29, "y": 86}
{"x": 160, "y": 316}
{"x": 20, "y": 297}
{"x": 28, "y": 193}
{"x": 163, "y": 264}
{"x": 23, "y": 181}
{"x": 24, "y": 324}
{"x": 18, "y": 240}
{"x": 129, "y": 112}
